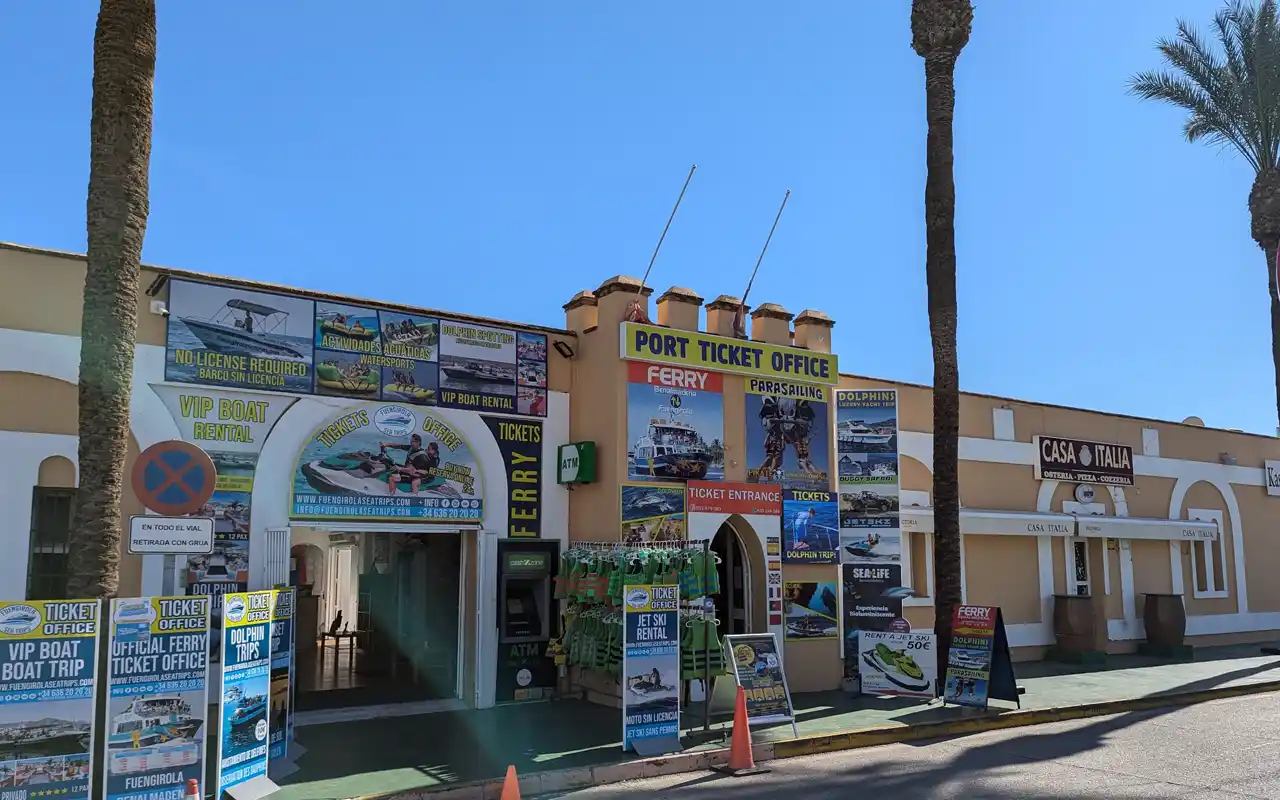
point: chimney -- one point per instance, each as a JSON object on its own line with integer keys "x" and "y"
{"x": 616, "y": 294}
{"x": 813, "y": 331}
{"x": 678, "y": 307}
{"x": 720, "y": 314}
{"x": 580, "y": 311}
{"x": 771, "y": 323}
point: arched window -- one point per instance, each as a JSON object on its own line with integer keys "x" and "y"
{"x": 47, "y": 563}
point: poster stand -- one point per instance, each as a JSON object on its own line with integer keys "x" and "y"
{"x": 758, "y": 669}
{"x": 255, "y": 788}
{"x": 979, "y": 666}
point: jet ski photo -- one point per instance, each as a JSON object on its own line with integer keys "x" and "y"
{"x": 897, "y": 666}
{"x": 363, "y": 473}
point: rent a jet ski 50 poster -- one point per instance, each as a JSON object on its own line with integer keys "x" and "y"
{"x": 388, "y": 462}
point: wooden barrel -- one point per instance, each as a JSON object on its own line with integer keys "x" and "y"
{"x": 1166, "y": 619}
{"x": 1073, "y": 622}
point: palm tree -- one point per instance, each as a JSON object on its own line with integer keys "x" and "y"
{"x": 1232, "y": 99}
{"x": 124, "y": 66}
{"x": 939, "y": 31}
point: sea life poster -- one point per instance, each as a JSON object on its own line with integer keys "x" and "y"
{"x": 48, "y": 679}
{"x": 651, "y": 669}
{"x": 675, "y": 423}
{"x": 812, "y": 609}
{"x": 810, "y": 527}
{"x": 243, "y": 728}
{"x": 787, "y": 434}
{"x": 388, "y": 462}
{"x": 873, "y": 595}
{"x": 901, "y": 664}
{"x": 158, "y": 687}
{"x": 652, "y": 512}
{"x": 238, "y": 338}
{"x": 280, "y": 723}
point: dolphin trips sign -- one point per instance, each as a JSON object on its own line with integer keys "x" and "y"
{"x": 723, "y": 354}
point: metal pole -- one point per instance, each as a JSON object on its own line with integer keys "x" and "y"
{"x": 706, "y": 650}
{"x": 663, "y": 237}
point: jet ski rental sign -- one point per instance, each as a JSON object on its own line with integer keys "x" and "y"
{"x": 1078, "y": 461}
{"x": 388, "y": 462}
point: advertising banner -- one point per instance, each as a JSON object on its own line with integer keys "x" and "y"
{"x": 902, "y": 664}
{"x": 388, "y": 462}
{"x": 640, "y": 342}
{"x": 717, "y": 497}
{"x": 652, "y": 513}
{"x": 651, "y": 669}
{"x": 157, "y": 696}
{"x": 675, "y": 423}
{"x": 872, "y": 601}
{"x": 48, "y": 680}
{"x": 979, "y": 667}
{"x": 812, "y": 610}
{"x": 788, "y": 434}
{"x": 231, "y": 337}
{"x": 520, "y": 442}
{"x": 810, "y": 527}
{"x": 758, "y": 670}
{"x": 280, "y": 724}
{"x": 243, "y": 729}
{"x": 867, "y": 455}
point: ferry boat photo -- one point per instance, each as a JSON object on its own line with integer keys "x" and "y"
{"x": 853, "y": 432}
{"x": 243, "y": 327}
{"x": 43, "y": 737}
{"x": 671, "y": 449}
{"x": 153, "y": 721}
{"x": 249, "y": 709}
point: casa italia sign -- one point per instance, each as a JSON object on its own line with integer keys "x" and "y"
{"x": 1272, "y": 472}
{"x": 1078, "y": 461}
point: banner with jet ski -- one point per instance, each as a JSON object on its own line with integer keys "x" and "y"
{"x": 788, "y": 432}
{"x": 651, "y": 669}
{"x": 901, "y": 664}
{"x": 239, "y": 338}
{"x": 280, "y": 724}
{"x": 810, "y": 527}
{"x": 675, "y": 423}
{"x": 246, "y": 686}
{"x": 158, "y": 686}
{"x": 48, "y": 678}
{"x": 812, "y": 610}
{"x": 388, "y": 462}
{"x": 652, "y": 513}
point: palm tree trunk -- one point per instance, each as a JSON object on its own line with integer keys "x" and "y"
{"x": 940, "y": 270}
{"x": 1269, "y": 251}
{"x": 124, "y": 63}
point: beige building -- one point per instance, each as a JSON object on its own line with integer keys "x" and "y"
{"x": 306, "y": 391}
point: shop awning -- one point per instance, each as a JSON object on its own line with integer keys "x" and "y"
{"x": 1145, "y": 528}
{"x": 383, "y": 527}
{"x": 986, "y": 522}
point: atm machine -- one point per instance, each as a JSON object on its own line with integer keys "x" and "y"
{"x": 528, "y": 618}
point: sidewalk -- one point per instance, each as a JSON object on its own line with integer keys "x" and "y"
{"x": 378, "y": 757}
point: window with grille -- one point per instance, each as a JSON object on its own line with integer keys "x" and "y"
{"x": 48, "y": 564}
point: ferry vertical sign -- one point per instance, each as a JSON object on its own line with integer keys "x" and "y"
{"x": 280, "y": 723}
{"x": 48, "y": 675}
{"x": 246, "y": 683}
{"x": 158, "y": 693}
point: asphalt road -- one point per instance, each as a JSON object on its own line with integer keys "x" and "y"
{"x": 1224, "y": 750}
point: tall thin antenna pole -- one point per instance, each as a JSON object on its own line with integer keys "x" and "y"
{"x": 663, "y": 237}
{"x": 765, "y": 249}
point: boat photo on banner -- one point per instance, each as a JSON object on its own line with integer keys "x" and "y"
{"x": 48, "y": 680}
{"x": 787, "y": 434}
{"x": 243, "y": 728}
{"x": 812, "y": 609}
{"x": 158, "y": 694}
{"x": 388, "y": 462}
{"x": 675, "y": 423}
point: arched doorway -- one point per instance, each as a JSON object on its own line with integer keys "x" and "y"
{"x": 733, "y": 606}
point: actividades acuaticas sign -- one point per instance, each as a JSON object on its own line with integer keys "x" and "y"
{"x": 1078, "y": 461}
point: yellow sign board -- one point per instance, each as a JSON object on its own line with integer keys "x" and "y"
{"x": 723, "y": 354}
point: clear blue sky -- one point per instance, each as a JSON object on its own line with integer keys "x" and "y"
{"x": 494, "y": 158}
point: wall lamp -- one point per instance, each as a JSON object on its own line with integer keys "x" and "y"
{"x": 563, "y": 348}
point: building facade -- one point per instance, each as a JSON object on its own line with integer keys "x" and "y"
{"x": 401, "y": 464}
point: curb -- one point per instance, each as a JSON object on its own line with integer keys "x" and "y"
{"x": 563, "y": 780}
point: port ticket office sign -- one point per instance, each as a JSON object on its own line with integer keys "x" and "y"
{"x": 1079, "y": 461}
{"x": 243, "y": 729}
{"x": 48, "y": 679}
{"x": 158, "y": 686}
{"x": 707, "y": 351}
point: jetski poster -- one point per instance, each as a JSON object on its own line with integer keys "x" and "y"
{"x": 246, "y": 686}
{"x": 651, "y": 669}
{"x": 158, "y": 694}
{"x": 810, "y": 527}
{"x": 388, "y": 462}
{"x": 238, "y": 338}
{"x": 48, "y": 680}
{"x": 787, "y": 434}
{"x": 652, "y": 513}
{"x": 812, "y": 610}
{"x": 872, "y": 601}
{"x": 675, "y": 423}
{"x": 280, "y": 723}
{"x": 900, "y": 664}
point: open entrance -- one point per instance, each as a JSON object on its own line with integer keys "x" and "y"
{"x": 735, "y": 576}
{"x": 388, "y": 620}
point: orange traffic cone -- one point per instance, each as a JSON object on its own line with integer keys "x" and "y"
{"x": 510, "y": 786}
{"x": 193, "y": 790}
{"x": 741, "y": 760}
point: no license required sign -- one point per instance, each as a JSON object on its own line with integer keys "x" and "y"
{"x": 170, "y": 535}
